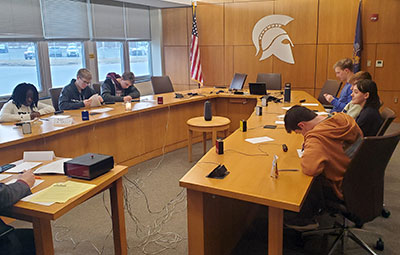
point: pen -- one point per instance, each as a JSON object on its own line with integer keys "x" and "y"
{"x": 288, "y": 170}
{"x": 38, "y": 177}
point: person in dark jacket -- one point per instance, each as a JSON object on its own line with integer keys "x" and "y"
{"x": 16, "y": 241}
{"x": 365, "y": 93}
{"x": 77, "y": 94}
{"x": 119, "y": 89}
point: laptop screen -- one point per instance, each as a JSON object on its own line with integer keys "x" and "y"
{"x": 258, "y": 88}
{"x": 238, "y": 81}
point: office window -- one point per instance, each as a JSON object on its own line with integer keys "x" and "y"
{"x": 140, "y": 58}
{"x": 18, "y": 63}
{"x": 66, "y": 58}
{"x": 109, "y": 58}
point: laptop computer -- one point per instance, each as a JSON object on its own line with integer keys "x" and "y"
{"x": 258, "y": 88}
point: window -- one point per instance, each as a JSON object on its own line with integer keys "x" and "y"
{"x": 139, "y": 58}
{"x": 66, "y": 58}
{"x": 109, "y": 57}
{"x": 18, "y": 63}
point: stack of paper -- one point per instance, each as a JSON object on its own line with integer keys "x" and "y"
{"x": 56, "y": 167}
{"x": 23, "y": 167}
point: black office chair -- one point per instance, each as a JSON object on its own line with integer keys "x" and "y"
{"x": 363, "y": 186}
{"x": 96, "y": 87}
{"x": 55, "y": 94}
{"x": 273, "y": 80}
{"x": 238, "y": 81}
{"x": 161, "y": 84}
{"x": 330, "y": 87}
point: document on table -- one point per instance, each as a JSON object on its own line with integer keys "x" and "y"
{"x": 309, "y": 104}
{"x": 261, "y": 139}
{"x": 56, "y": 167}
{"x": 37, "y": 182}
{"x": 27, "y": 199}
{"x": 4, "y": 176}
{"x": 23, "y": 166}
{"x": 322, "y": 113}
{"x": 286, "y": 108}
{"x": 279, "y": 122}
{"x": 61, "y": 192}
{"x": 300, "y": 152}
{"x": 101, "y": 110}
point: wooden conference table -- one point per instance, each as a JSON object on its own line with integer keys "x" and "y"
{"x": 41, "y": 216}
{"x": 219, "y": 210}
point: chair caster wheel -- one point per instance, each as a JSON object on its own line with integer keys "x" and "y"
{"x": 380, "y": 245}
{"x": 385, "y": 213}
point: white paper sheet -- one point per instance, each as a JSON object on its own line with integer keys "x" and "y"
{"x": 38, "y": 155}
{"x": 309, "y": 104}
{"x": 279, "y": 122}
{"x": 56, "y": 167}
{"x": 23, "y": 166}
{"x": 37, "y": 182}
{"x": 102, "y": 110}
{"x": 4, "y": 176}
{"x": 95, "y": 101}
{"x": 286, "y": 108}
{"x": 261, "y": 139}
{"x": 59, "y": 116}
{"x": 281, "y": 116}
{"x": 322, "y": 113}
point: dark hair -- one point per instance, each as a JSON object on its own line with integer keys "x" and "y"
{"x": 128, "y": 76}
{"x": 344, "y": 63}
{"x": 19, "y": 94}
{"x": 361, "y": 75}
{"x": 295, "y": 115}
{"x": 369, "y": 86}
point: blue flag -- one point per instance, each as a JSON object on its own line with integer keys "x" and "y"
{"x": 357, "y": 47}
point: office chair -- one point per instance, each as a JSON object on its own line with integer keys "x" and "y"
{"x": 161, "y": 84}
{"x": 330, "y": 87}
{"x": 273, "y": 80}
{"x": 96, "y": 88}
{"x": 363, "y": 186}
{"x": 55, "y": 94}
{"x": 388, "y": 115}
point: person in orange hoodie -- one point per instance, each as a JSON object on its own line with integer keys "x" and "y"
{"x": 325, "y": 140}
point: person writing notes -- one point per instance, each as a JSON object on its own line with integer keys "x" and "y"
{"x": 16, "y": 241}
{"x": 119, "y": 89}
{"x": 24, "y": 105}
{"x": 78, "y": 94}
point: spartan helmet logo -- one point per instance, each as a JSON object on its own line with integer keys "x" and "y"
{"x": 270, "y": 35}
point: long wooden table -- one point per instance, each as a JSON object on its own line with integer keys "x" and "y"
{"x": 219, "y": 210}
{"x": 146, "y": 131}
{"x": 41, "y": 216}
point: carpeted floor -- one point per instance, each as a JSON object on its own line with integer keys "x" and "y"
{"x": 156, "y": 216}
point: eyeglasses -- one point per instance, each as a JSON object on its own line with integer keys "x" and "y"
{"x": 85, "y": 81}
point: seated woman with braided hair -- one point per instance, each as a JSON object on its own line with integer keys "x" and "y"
{"x": 24, "y": 105}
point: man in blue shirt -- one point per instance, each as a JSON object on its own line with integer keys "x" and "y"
{"x": 344, "y": 71}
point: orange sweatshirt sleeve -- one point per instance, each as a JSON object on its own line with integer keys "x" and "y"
{"x": 314, "y": 158}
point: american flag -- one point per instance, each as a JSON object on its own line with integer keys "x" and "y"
{"x": 195, "y": 66}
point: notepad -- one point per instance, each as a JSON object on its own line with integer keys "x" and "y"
{"x": 56, "y": 167}
{"x": 61, "y": 192}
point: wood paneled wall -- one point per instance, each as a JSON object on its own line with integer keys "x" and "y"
{"x": 322, "y": 33}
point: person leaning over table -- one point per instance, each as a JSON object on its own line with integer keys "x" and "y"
{"x": 24, "y": 105}
{"x": 325, "y": 139}
{"x": 365, "y": 94}
{"x": 16, "y": 241}
{"x": 77, "y": 93}
{"x": 119, "y": 89}
{"x": 354, "y": 109}
{"x": 344, "y": 71}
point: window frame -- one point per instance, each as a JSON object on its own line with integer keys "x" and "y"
{"x": 142, "y": 78}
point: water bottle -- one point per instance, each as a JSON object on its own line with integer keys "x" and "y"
{"x": 288, "y": 88}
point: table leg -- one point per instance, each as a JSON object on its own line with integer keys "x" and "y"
{"x": 190, "y": 134}
{"x": 118, "y": 217}
{"x": 275, "y": 231}
{"x": 214, "y": 137}
{"x": 43, "y": 236}
{"x": 204, "y": 142}
{"x": 195, "y": 217}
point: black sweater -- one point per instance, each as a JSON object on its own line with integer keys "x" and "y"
{"x": 108, "y": 92}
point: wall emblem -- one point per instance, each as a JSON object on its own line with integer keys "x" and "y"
{"x": 269, "y": 35}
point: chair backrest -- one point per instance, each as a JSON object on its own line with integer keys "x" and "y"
{"x": 330, "y": 87}
{"x": 238, "y": 81}
{"x": 388, "y": 115}
{"x": 161, "y": 84}
{"x": 96, "y": 87}
{"x": 363, "y": 182}
{"x": 55, "y": 94}
{"x": 273, "y": 80}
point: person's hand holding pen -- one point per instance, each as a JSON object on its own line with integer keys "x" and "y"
{"x": 27, "y": 177}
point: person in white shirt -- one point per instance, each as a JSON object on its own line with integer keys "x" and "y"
{"x": 24, "y": 105}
